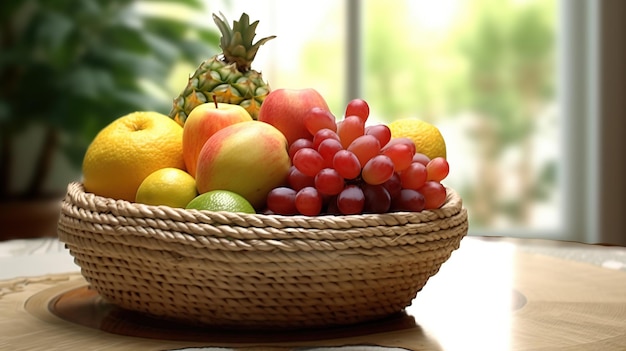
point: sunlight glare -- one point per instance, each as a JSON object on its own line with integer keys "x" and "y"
{"x": 434, "y": 15}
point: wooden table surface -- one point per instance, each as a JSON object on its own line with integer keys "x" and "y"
{"x": 492, "y": 294}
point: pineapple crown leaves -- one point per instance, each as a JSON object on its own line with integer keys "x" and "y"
{"x": 236, "y": 42}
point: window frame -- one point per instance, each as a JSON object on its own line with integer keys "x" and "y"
{"x": 591, "y": 80}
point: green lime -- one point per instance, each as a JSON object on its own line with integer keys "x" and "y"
{"x": 221, "y": 200}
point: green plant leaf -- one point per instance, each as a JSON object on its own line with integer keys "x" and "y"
{"x": 194, "y": 4}
{"x": 77, "y": 65}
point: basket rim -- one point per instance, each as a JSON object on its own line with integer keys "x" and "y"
{"x": 141, "y": 256}
{"x": 79, "y": 197}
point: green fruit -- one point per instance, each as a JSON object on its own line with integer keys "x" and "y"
{"x": 221, "y": 200}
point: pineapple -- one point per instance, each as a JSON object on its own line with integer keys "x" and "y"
{"x": 226, "y": 77}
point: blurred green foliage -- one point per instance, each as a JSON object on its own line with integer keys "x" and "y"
{"x": 73, "y": 66}
{"x": 510, "y": 53}
{"x": 510, "y": 81}
{"x": 493, "y": 61}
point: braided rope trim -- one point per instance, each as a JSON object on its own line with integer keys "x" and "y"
{"x": 119, "y": 208}
{"x": 226, "y": 268}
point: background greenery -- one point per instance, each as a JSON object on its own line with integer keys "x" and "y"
{"x": 69, "y": 67}
{"x": 489, "y": 74}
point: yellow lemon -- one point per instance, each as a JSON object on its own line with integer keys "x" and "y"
{"x": 221, "y": 200}
{"x": 167, "y": 186}
{"x": 427, "y": 138}
{"x": 127, "y": 150}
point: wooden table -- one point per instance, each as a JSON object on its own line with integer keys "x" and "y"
{"x": 493, "y": 294}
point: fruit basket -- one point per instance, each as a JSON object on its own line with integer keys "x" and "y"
{"x": 255, "y": 270}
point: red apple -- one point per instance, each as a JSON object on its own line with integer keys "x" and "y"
{"x": 204, "y": 121}
{"x": 285, "y": 109}
{"x": 248, "y": 158}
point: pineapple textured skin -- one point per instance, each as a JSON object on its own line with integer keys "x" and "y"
{"x": 217, "y": 78}
{"x": 226, "y": 77}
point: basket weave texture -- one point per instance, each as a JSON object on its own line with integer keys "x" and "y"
{"x": 256, "y": 270}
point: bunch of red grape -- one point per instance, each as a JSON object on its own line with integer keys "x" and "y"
{"x": 350, "y": 168}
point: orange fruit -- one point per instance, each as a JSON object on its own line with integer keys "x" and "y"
{"x": 168, "y": 186}
{"x": 426, "y": 137}
{"x": 126, "y": 151}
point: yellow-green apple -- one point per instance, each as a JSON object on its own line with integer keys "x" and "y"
{"x": 285, "y": 109}
{"x": 248, "y": 158}
{"x": 204, "y": 121}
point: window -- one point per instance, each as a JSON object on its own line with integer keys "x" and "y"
{"x": 484, "y": 73}
{"x": 509, "y": 83}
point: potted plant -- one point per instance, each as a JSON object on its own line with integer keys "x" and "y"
{"x": 67, "y": 69}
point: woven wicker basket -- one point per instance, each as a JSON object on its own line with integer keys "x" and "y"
{"x": 254, "y": 270}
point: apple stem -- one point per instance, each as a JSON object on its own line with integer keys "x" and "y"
{"x": 215, "y": 100}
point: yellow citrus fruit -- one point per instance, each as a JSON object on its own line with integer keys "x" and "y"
{"x": 427, "y": 138}
{"x": 127, "y": 150}
{"x": 167, "y": 186}
{"x": 221, "y": 200}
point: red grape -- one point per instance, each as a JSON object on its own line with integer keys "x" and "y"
{"x": 328, "y": 148}
{"x": 299, "y": 144}
{"x": 434, "y": 193}
{"x": 414, "y": 176}
{"x": 351, "y": 200}
{"x": 377, "y": 199}
{"x": 347, "y": 164}
{"x": 322, "y": 135}
{"x": 298, "y": 180}
{"x": 349, "y": 129}
{"x": 406, "y": 141}
{"x": 309, "y": 201}
{"x": 377, "y": 170}
{"x": 331, "y": 207}
{"x": 359, "y": 108}
{"x": 348, "y": 168}
{"x": 308, "y": 161}
{"x": 408, "y": 200}
{"x": 437, "y": 169}
{"x": 400, "y": 154}
{"x": 282, "y": 200}
{"x": 393, "y": 185}
{"x": 329, "y": 182}
{"x": 364, "y": 147}
{"x": 421, "y": 158}
{"x": 380, "y": 131}
{"x": 319, "y": 118}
